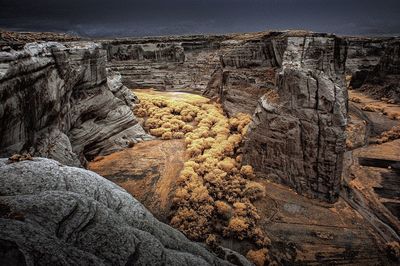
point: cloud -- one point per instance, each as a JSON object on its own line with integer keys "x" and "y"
{"x": 155, "y": 17}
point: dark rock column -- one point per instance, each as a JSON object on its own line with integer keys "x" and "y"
{"x": 298, "y": 136}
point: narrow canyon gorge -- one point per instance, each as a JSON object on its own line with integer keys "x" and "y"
{"x": 268, "y": 148}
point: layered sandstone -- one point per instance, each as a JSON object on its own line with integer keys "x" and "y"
{"x": 297, "y": 138}
{"x": 56, "y": 101}
{"x": 373, "y": 64}
{"x": 305, "y": 71}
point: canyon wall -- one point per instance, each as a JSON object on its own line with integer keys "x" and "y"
{"x": 57, "y": 102}
{"x": 292, "y": 78}
{"x": 373, "y": 64}
{"x": 238, "y": 68}
{"x": 295, "y": 79}
{"x": 165, "y": 62}
{"x": 297, "y": 137}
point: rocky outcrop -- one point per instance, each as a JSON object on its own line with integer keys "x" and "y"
{"x": 181, "y": 63}
{"x": 374, "y": 64}
{"x": 384, "y": 80}
{"x": 295, "y": 78}
{"x": 51, "y": 214}
{"x": 56, "y": 101}
{"x": 297, "y": 137}
{"x": 241, "y": 65}
{"x": 247, "y": 71}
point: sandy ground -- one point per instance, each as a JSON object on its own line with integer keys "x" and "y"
{"x": 147, "y": 171}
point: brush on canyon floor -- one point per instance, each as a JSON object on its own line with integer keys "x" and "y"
{"x": 211, "y": 193}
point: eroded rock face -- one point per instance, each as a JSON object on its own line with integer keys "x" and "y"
{"x": 55, "y": 214}
{"x": 298, "y": 137}
{"x": 56, "y": 101}
{"x": 247, "y": 71}
{"x": 373, "y": 64}
{"x": 181, "y": 63}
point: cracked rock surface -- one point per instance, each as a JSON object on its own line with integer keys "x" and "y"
{"x": 298, "y": 137}
{"x": 51, "y": 214}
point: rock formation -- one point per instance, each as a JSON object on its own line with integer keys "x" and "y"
{"x": 297, "y": 138}
{"x": 244, "y": 63}
{"x": 55, "y": 214}
{"x": 56, "y": 102}
{"x": 164, "y": 62}
{"x": 374, "y": 66}
{"x": 304, "y": 147}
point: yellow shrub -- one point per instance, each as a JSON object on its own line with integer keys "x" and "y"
{"x": 260, "y": 238}
{"x": 247, "y": 171}
{"x": 210, "y": 180}
{"x": 258, "y": 257}
{"x": 167, "y": 135}
{"x": 237, "y": 227}
{"x": 200, "y": 194}
{"x": 227, "y": 165}
{"x": 240, "y": 208}
{"x": 178, "y": 135}
{"x": 223, "y": 209}
{"x": 141, "y": 112}
{"x": 181, "y": 196}
{"x": 254, "y": 190}
{"x": 187, "y": 128}
{"x": 158, "y": 132}
{"x": 152, "y": 123}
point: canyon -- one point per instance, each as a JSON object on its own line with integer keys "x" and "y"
{"x": 320, "y": 106}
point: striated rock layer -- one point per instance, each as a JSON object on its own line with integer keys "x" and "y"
{"x": 297, "y": 137}
{"x": 374, "y": 66}
{"x": 295, "y": 79}
{"x": 57, "y": 102}
{"x": 54, "y": 214}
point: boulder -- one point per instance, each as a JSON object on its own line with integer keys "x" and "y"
{"x": 52, "y": 214}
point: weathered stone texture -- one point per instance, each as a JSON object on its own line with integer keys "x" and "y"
{"x": 52, "y": 214}
{"x": 298, "y": 139}
{"x": 373, "y": 64}
{"x": 56, "y": 101}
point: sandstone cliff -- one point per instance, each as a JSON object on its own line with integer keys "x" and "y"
{"x": 373, "y": 64}
{"x": 56, "y": 101}
{"x": 51, "y": 214}
{"x": 297, "y": 140}
{"x": 297, "y": 137}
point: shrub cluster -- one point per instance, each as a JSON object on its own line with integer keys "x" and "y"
{"x": 392, "y": 134}
{"x": 258, "y": 257}
{"x": 215, "y": 191}
{"x": 166, "y": 118}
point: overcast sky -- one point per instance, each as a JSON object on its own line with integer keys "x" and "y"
{"x": 98, "y": 18}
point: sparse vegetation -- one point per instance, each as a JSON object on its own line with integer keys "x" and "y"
{"x": 355, "y": 99}
{"x": 392, "y": 134}
{"x": 372, "y": 108}
{"x": 216, "y": 191}
{"x": 258, "y": 257}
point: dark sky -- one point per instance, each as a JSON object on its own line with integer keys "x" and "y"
{"x": 161, "y": 17}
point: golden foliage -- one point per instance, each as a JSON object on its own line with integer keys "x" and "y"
{"x": 392, "y": 134}
{"x": 213, "y": 184}
{"x": 238, "y": 226}
{"x": 247, "y": 171}
{"x": 258, "y": 257}
{"x": 223, "y": 209}
{"x": 254, "y": 190}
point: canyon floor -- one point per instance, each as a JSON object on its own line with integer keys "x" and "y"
{"x": 301, "y": 230}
